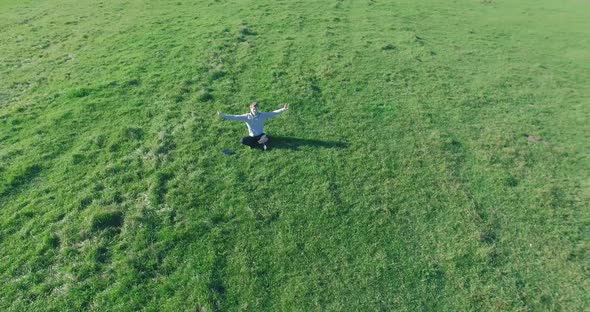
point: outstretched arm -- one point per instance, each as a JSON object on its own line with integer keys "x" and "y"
{"x": 242, "y": 117}
{"x": 276, "y": 112}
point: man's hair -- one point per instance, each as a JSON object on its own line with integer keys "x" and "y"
{"x": 254, "y": 104}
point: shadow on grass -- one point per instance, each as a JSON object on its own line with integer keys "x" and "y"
{"x": 280, "y": 142}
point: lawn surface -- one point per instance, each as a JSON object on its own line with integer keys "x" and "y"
{"x": 435, "y": 155}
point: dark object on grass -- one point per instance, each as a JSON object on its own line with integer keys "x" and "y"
{"x": 228, "y": 152}
{"x": 388, "y": 47}
{"x": 107, "y": 219}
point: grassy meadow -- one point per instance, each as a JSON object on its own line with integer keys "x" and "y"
{"x": 435, "y": 156}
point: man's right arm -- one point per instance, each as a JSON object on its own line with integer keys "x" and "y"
{"x": 242, "y": 117}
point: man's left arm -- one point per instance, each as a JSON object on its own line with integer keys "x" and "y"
{"x": 276, "y": 112}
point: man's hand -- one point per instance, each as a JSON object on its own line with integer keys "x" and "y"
{"x": 219, "y": 115}
{"x": 286, "y": 106}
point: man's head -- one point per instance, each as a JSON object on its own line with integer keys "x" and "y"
{"x": 254, "y": 108}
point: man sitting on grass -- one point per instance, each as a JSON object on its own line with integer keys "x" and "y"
{"x": 255, "y": 122}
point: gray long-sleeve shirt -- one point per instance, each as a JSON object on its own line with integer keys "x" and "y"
{"x": 255, "y": 123}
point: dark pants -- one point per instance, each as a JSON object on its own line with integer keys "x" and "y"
{"x": 253, "y": 141}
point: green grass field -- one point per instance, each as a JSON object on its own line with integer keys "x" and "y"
{"x": 435, "y": 155}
